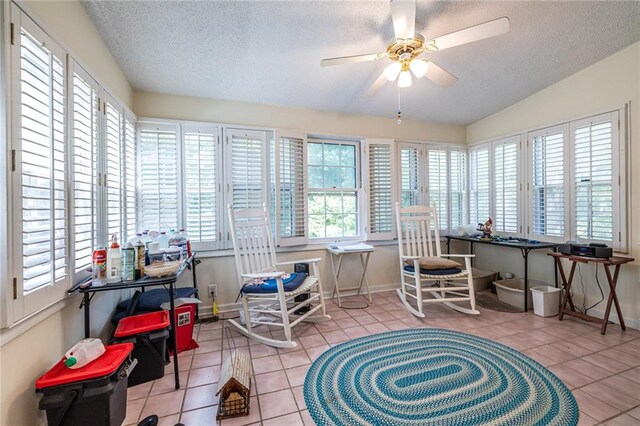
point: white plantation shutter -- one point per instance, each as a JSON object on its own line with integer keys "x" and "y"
{"x": 381, "y": 184}
{"x": 158, "y": 176}
{"x": 438, "y": 187}
{"x": 114, "y": 166}
{"x": 479, "y": 184}
{"x": 547, "y": 182}
{"x": 247, "y": 168}
{"x": 201, "y": 185}
{"x": 458, "y": 187}
{"x": 593, "y": 178}
{"x": 84, "y": 116}
{"x": 288, "y": 172}
{"x": 129, "y": 149}
{"x": 506, "y": 185}
{"x": 40, "y": 195}
{"x": 410, "y": 175}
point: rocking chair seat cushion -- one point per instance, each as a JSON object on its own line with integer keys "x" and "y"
{"x": 433, "y": 262}
{"x": 450, "y": 271}
{"x": 290, "y": 283}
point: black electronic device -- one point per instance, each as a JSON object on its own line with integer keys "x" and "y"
{"x": 587, "y": 250}
{"x": 302, "y": 268}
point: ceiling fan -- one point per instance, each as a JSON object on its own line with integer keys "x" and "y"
{"x": 406, "y": 51}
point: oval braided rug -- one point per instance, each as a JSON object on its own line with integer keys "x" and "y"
{"x": 431, "y": 376}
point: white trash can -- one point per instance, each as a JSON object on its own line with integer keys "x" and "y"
{"x": 546, "y": 301}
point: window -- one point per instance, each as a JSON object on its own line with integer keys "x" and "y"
{"x": 458, "y": 187}
{"x": 547, "y": 182}
{"x": 411, "y": 185}
{"x": 247, "y": 151}
{"x": 41, "y": 219}
{"x": 158, "y": 176}
{"x": 437, "y": 184}
{"x": 381, "y": 188}
{"x": 479, "y": 184}
{"x": 201, "y": 185}
{"x": 333, "y": 183}
{"x": 506, "y": 185}
{"x": 130, "y": 167}
{"x": 288, "y": 205}
{"x": 593, "y": 178}
{"x": 84, "y": 168}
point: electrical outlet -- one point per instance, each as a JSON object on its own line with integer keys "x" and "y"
{"x": 212, "y": 290}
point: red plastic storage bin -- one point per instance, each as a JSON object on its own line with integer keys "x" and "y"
{"x": 95, "y": 394}
{"x": 149, "y": 334}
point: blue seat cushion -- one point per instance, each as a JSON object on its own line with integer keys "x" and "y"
{"x": 151, "y": 300}
{"x": 451, "y": 271}
{"x": 290, "y": 283}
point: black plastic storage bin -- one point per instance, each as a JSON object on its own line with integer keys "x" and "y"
{"x": 95, "y": 394}
{"x": 149, "y": 334}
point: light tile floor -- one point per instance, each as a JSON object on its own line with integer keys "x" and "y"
{"x": 603, "y": 372}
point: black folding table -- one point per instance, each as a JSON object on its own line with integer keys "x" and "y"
{"x": 88, "y": 291}
{"x": 524, "y": 246}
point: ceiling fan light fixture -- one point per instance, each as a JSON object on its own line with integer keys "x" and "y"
{"x": 419, "y": 67}
{"x": 404, "y": 80}
{"x": 392, "y": 70}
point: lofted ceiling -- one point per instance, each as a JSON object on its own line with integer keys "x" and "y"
{"x": 269, "y": 52}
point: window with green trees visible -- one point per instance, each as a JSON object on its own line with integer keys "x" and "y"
{"x": 333, "y": 188}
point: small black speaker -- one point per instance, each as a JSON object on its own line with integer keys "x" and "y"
{"x": 302, "y": 268}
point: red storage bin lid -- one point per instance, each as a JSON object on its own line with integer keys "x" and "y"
{"x": 138, "y": 324}
{"x": 105, "y": 365}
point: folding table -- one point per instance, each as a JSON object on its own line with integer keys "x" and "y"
{"x": 339, "y": 252}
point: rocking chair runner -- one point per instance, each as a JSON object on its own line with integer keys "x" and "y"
{"x": 261, "y": 281}
{"x": 419, "y": 237}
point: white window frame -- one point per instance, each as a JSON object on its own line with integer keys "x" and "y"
{"x": 564, "y": 129}
{"x": 276, "y": 206}
{"x": 515, "y": 139}
{"x": 219, "y": 207}
{"x": 367, "y": 172}
{"x": 360, "y": 205}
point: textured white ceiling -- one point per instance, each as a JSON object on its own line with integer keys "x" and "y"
{"x": 269, "y": 52}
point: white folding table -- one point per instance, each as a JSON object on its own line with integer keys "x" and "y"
{"x": 339, "y": 252}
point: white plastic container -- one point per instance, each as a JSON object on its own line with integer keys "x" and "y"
{"x": 83, "y": 352}
{"x": 546, "y": 301}
{"x": 512, "y": 291}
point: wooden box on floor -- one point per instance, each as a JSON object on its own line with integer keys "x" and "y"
{"x": 234, "y": 387}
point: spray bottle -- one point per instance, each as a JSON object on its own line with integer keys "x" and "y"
{"x": 114, "y": 261}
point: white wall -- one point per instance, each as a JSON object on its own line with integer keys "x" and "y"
{"x": 32, "y": 353}
{"x": 250, "y": 114}
{"x": 607, "y": 84}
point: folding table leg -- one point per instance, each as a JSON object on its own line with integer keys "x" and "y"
{"x": 613, "y": 297}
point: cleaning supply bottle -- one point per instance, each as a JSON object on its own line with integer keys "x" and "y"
{"x": 184, "y": 234}
{"x": 128, "y": 263}
{"x": 114, "y": 261}
{"x": 163, "y": 240}
{"x": 83, "y": 352}
{"x": 140, "y": 259}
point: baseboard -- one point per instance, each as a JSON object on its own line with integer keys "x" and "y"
{"x": 205, "y": 310}
{"x": 613, "y": 317}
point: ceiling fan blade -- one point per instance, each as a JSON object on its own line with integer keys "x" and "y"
{"x": 403, "y": 15}
{"x": 352, "y": 59}
{"x": 477, "y": 32}
{"x": 440, "y": 76}
{"x": 376, "y": 86}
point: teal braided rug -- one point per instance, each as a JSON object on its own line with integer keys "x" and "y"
{"x": 430, "y": 376}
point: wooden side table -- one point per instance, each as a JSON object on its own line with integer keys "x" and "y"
{"x": 611, "y": 279}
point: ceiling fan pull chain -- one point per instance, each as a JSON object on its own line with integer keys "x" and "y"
{"x": 399, "y": 121}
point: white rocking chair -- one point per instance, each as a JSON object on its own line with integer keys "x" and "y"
{"x": 418, "y": 236}
{"x": 256, "y": 260}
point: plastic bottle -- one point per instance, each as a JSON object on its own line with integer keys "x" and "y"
{"x": 140, "y": 259}
{"x": 83, "y": 352}
{"x": 185, "y": 235}
{"x": 99, "y": 266}
{"x": 135, "y": 238}
{"x": 178, "y": 240}
{"x": 163, "y": 240}
{"x": 145, "y": 237}
{"x": 128, "y": 263}
{"x": 114, "y": 261}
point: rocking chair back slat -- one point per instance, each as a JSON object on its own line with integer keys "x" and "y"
{"x": 252, "y": 241}
{"x": 419, "y": 226}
